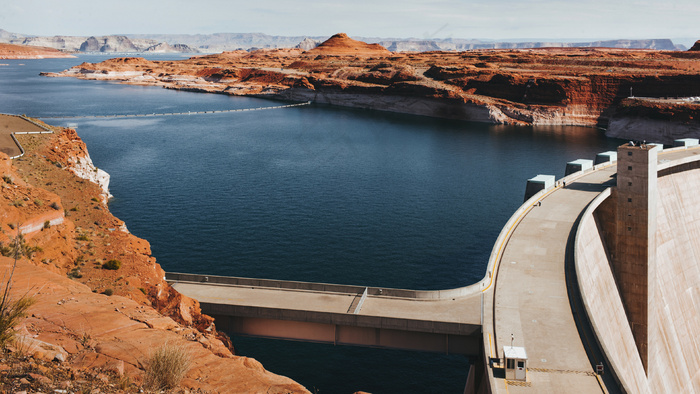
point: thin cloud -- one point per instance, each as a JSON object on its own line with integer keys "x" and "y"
{"x": 495, "y": 19}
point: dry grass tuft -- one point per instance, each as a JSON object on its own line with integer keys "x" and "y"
{"x": 166, "y": 368}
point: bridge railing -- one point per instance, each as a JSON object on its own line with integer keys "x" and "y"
{"x": 512, "y": 223}
{"x": 19, "y": 146}
{"x": 325, "y": 287}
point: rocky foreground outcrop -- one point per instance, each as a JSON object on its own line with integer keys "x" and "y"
{"x": 552, "y": 86}
{"x": 92, "y": 319}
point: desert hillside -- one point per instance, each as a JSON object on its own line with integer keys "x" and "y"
{"x": 548, "y": 86}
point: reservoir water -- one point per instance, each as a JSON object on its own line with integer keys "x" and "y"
{"x": 311, "y": 193}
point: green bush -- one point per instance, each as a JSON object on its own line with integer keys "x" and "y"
{"x": 108, "y": 292}
{"x": 112, "y": 265}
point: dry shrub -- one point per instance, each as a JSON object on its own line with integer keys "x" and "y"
{"x": 13, "y": 309}
{"x": 166, "y": 368}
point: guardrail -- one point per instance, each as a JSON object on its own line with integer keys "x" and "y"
{"x": 21, "y": 149}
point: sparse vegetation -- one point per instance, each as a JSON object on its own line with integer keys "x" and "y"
{"x": 82, "y": 237}
{"x": 18, "y": 247}
{"x": 12, "y": 309}
{"x": 108, "y": 292}
{"x": 47, "y": 224}
{"x": 112, "y": 265}
{"x": 166, "y": 368}
{"x": 7, "y": 179}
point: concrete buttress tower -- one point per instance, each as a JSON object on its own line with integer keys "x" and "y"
{"x": 634, "y": 262}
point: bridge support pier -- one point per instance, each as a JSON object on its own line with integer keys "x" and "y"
{"x": 469, "y": 345}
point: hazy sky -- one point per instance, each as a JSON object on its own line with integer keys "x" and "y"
{"x": 495, "y": 19}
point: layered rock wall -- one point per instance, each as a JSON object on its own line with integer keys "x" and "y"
{"x": 416, "y": 105}
{"x": 521, "y": 87}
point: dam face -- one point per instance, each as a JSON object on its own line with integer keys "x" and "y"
{"x": 648, "y": 329}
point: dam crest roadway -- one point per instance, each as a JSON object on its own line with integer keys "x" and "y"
{"x": 535, "y": 296}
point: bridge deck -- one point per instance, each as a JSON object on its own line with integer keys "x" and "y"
{"x": 459, "y": 310}
{"x": 531, "y": 297}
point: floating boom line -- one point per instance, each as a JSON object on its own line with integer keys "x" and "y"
{"x": 176, "y": 113}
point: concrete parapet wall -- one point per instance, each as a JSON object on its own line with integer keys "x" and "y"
{"x": 327, "y": 287}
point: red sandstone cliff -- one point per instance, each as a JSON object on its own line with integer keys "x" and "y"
{"x": 101, "y": 321}
{"x": 657, "y": 120}
{"x": 570, "y": 86}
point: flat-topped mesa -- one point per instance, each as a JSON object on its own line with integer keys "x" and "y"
{"x": 341, "y": 44}
{"x": 11, "y": 51}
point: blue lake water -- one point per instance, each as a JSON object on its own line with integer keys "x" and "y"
{"x": 311, "y": 193}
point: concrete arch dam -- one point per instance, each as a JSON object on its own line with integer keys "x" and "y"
{"x": 596, "y": 277}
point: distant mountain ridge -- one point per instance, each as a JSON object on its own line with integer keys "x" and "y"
{"x": 104, "y": 44}
{"x": 219, "y": 42}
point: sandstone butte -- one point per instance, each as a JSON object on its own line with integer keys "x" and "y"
{"x": 549, "y": 86}
{"x": 11, "y": 51}
{"x": 50, "y": 195}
